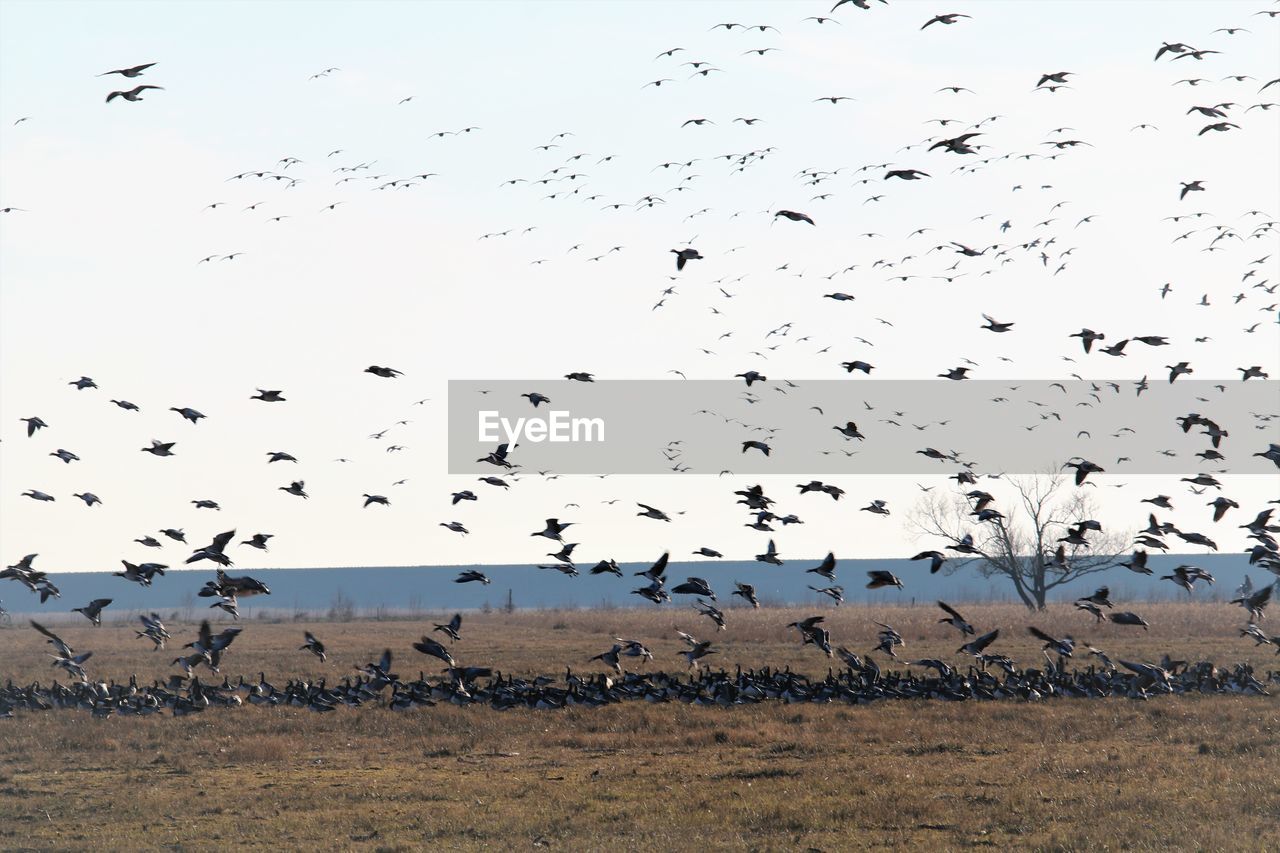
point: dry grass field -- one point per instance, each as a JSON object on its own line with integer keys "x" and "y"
{"x": 1182, "y": 772}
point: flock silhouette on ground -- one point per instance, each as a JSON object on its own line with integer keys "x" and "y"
{"x": 972, "y": 146}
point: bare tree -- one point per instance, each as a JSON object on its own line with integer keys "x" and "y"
{"x": 1021, "y": 542}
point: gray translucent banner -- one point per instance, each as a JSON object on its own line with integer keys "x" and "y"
{"x": 918, "y": 427}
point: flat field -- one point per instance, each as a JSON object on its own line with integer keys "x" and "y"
{"x": 1175, "y": 771}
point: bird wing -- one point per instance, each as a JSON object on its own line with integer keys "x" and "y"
{"x": 1036, "y": 632}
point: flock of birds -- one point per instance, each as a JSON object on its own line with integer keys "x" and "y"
{"x": 861, "y": 677}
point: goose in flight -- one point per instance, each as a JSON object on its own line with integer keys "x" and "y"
{"x": 935, "y": 558}
{"x": 452, "y": 627}
{"x": 694, "y": 586}
{"x": 384, "y": 372}
{"x": 977, "y": 646}
{"x": 1063, "y": 647}
{"x": 770, "y": 555}
{"x": 93, "y": 610}
{"x": 1255, "y": 603}
{"x": 652, "y": 512}
{"x": 188, "y": 413}
{"x": 1186, "y": 577}
{"x": 297, "y": 488}
{"x": 313, "y": 645}
{"x": 499, "y": 457}
{"x": 378, "y": 499}
{"x": 554, "y": 529}
{"x": 472, "y": 576}
{"x": 794, "y": 216}
{"x": 880, "y": 578}
{"x": 33, "y": 425}
{"x": 827, "y": 568}
{"x": 434, "y": 648}
{"x": 747, "y": 592}
{"x": 134, "y": 94}
{"x": 950, "y": 18}
{"x": 268, "y": 396}
{"x": 258, "y": 540}
{"x": 955, "y": 619}
{"x": 1126, "y": 617}
{"x": 134, "y": 71}
{"x": 456, "y": 527}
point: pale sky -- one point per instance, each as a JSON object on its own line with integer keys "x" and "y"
{"x": 99, "y": 271}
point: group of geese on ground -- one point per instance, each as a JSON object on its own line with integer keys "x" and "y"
{"x": 860, "y": 681}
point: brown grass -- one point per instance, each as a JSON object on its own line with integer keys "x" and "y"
{"x": 1175, "y": 772}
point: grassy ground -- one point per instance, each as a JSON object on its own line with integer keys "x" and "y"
{"x": 1173, "y": 772}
